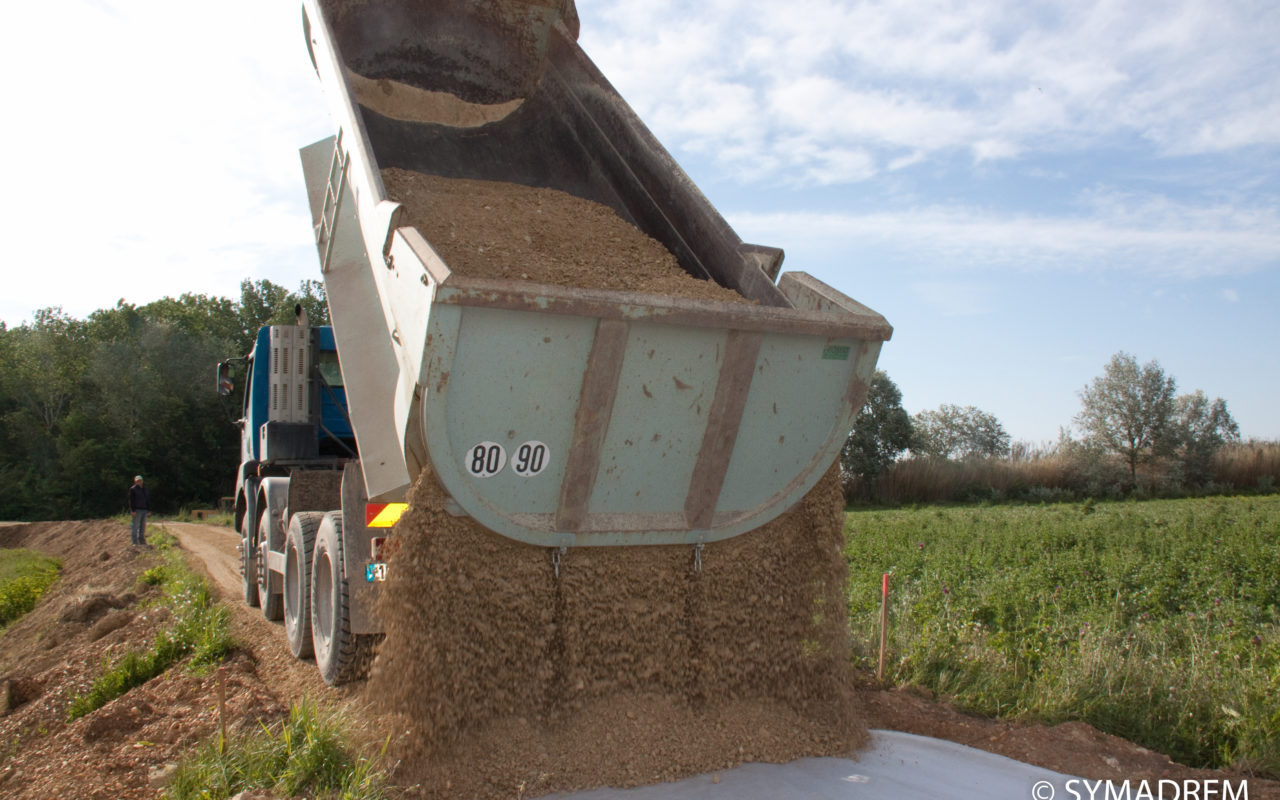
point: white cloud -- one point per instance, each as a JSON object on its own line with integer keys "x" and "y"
{"x": 1238, "y": 128}
{"x": 994, "y": 149}
{"x": 1156, "y": 238}
{"x": 909, "y": 160}
{"x": 934, "y": 78}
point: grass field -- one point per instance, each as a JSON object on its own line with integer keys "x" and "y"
{"x": 1156, "y": 621}
{"x": 24, "y": 577}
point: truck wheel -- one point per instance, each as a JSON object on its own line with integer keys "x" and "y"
{"x": 341, "y": 655}
{"x": 249, "y": 569}
{"x": 298, "y": 544}
{"x": 272, "y": 604}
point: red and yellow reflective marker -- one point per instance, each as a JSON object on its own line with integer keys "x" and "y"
{"x": 383, "y": 515}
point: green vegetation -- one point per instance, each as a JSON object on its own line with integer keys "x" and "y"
{"x": 25, "y": 575}
{"x": 1156, "y": 621}
{"x": 881, "y": 432}
{"x": 303, "y": 756}
{"x": 86, "y": 404}
{"x": 1134, "y": 412}
{"x": 200, "y": 631}
{"x": 962, "y": 434}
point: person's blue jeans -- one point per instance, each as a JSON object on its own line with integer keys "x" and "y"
{"x": 138, "y": 532}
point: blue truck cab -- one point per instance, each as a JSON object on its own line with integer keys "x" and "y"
{"x": 300, "y": 505}
{"x": 293, "y": 422}
{"x": 295, "y": 405}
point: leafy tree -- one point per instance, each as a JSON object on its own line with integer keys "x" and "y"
{"x": 86, "y": 403}
{"x": 48, "y": 359}
{"x": 266, "y": 303}
{"x": 156, "y": 396}
{"x": 260, "y": 302}
{"x": 197, "y": 315}
{"x": 41, "y": 377}
{"x": 881, "y": 432}
{"x": 1200, "y": 427}
{"x": 955, "y": 432}
{"x": 1129, "y": 410}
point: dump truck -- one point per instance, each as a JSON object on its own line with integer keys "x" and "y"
{"x": 557, "y": 416}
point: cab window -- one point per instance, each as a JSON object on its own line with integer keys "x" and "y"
{"x": 327, "y": 365}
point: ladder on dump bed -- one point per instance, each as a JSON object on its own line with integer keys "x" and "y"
{"x": 337, "y": 183}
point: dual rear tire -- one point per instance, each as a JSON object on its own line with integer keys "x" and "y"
{"x": 271, "y": 602}
{"x": 298, "y": 545}
{"x": 338, "y": 651}
{"x": 248, "y": 566}
{"x": 317, "y": 611}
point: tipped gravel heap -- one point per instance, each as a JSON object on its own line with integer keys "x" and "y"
{"x": 630, "y": 668}
{"x": 486, "y": 229}
{"x": 499, "y": 679}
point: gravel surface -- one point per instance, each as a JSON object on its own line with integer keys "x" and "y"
{"x": 486, "y": 229}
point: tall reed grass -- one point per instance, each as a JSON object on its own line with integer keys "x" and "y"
{"x": 1253, "y": 464}
{"x": 1051, "y": 473}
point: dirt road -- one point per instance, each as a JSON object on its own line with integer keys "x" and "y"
{"x": 216, "y": 547}
{"x": 213, "y": 549}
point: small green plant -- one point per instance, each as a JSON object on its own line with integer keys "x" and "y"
{"x": 135, "y": 668}
{"x": 25, "y": 576}
{"x": 303, "y": 755}
{"x": 201, "y": 631}
{"x": 153, "y": 576}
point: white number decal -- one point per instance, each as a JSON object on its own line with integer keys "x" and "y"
{"x": 530, "y": 459}
{"x": 486, "y": 459}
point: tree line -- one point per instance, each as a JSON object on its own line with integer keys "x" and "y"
{"x": 1136, "y": 433}
{"x": 85, "y": 404}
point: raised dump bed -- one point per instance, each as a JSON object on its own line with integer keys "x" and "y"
{"x": 558, "y": 415}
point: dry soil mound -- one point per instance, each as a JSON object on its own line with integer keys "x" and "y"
{"x": 93, "y": 614}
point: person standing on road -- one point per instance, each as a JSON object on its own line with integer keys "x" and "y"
{"x": 139, "y": 504}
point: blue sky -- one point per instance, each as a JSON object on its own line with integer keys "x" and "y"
{"x": 1021, "y": 189}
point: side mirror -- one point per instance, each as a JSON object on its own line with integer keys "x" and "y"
{"x": 224, "y": 379}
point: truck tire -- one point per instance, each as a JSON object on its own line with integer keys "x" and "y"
{"x": 341, "y": 655}
{"x": 272, "y": 603}
{"x": 298, "y": 544}
{"x": 249, "y": 569}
